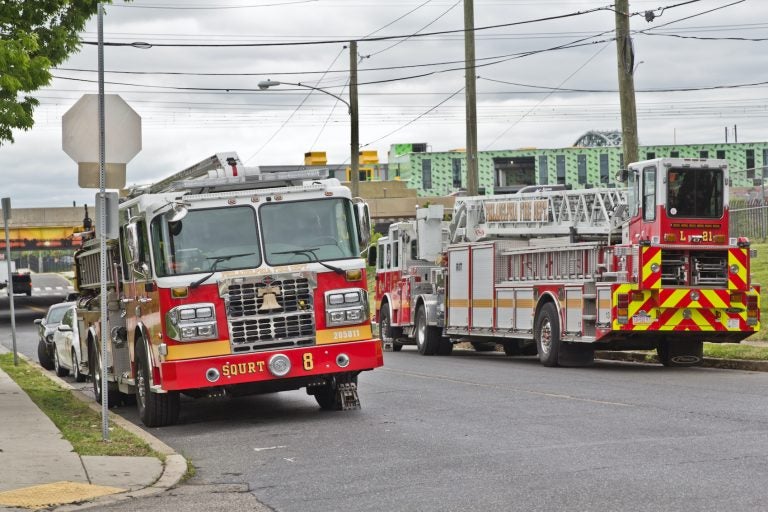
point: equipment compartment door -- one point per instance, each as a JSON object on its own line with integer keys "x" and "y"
{"x": 458, "y": 287}
{"x": 482, "y": 287}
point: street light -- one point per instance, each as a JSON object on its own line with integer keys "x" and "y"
{"x": 354, "y": 144}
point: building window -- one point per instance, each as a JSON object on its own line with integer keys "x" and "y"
{"x": 650, "y": 155}
{"x": 674, "y": 154}
{"x": 426, "y": 174}
{"x": 750, "y": 163}
{"x": 621, "y": 161}
{"x": 560, "y": 164}
{"x": 720, "y": 154}
{"x": 456, "y": 165}
{"x": 703, "y": 154}
{"x": 581, "y": 162}
{"x": 543, "y": 170}
{"x": 765, "y": 162}
{"x": 604, "y": 172}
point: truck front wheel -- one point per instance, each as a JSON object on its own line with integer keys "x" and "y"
{"x": 387, "y": 332}
{"x": 155, "y": 409}
{"x": 547, "y": 334}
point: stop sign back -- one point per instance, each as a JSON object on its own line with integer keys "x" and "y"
{"x": 80, "y": 138}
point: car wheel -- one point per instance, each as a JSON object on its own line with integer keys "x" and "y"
{"x": 60, "y": 371}
{"x": 76, "y": 373}
{"x": 44, "y": 356}
{"x": 155, "y": 409}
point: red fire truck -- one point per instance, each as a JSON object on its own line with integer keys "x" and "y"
{"x": 225, "y": 280}
{"x": 561, "y": 273}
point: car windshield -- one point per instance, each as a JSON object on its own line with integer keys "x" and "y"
{"x": 206, "y": 240}
{"x": 55, "y": 315}
{"x": 302, "y": 231}
{"x": 695, "y": 192}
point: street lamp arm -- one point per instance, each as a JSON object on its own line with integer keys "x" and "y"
{"x": 266, "y": 84}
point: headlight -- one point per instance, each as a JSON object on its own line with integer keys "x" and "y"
{"x": 345, "y": 307}
{"x": 191, "y": 322}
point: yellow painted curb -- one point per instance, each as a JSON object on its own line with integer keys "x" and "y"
{"x": 56, "y": 493}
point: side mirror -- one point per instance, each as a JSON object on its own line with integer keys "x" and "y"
{"x": 371, "y": 259}
{"x": 64, "y": 328}
{"x": 177, "y": 212}
{"x": 38, "y": 321}
{"x": 363, "y": 217}
{"x": 132, "y": 243}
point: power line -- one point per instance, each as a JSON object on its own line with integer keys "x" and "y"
{"x": 341, "y": 41}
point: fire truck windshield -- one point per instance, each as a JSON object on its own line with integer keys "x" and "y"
{"x": 312, "y": 230}
{"x": 695, "y": 192}
{"x": 206, "y": 240}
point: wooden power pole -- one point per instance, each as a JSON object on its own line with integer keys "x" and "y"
{"x": 625, "y": 59}
{"x": 354, "y": 162}
{"x": 471, "y": 97}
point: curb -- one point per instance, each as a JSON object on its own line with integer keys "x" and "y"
{"x": 707, "y": 362}
{"x": 174, "y": 465}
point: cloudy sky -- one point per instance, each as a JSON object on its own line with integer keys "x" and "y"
{"x": 541, "y": 83}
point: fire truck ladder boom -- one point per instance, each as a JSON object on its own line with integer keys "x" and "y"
{"x": 217, "y": 161}
{"x": 588, "y": 213}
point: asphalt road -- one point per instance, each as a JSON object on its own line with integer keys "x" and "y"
{"x": 483, "y": 432}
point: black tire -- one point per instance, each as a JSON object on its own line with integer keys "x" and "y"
{"x": 445, "y": 347}
{"x": 29, "y": 294}
{"x": 680, "y": 353}
{"x": 427, "y": 336}
{"x": 484, "y": 346}
{"x": 94, "y": 366}
{"x": 327, "y": 397}
{"x": 155, "y": 409}
{"x": 547, "y": 334}
{"x": 512, "y": 348}
{"x": 44, "y": 356}
{"x": 386, "y": 332}
{"x": 60, "y": 371}
{"x": 76, "y": 373}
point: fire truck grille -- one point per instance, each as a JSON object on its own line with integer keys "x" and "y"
{"x": 270, "y": 315}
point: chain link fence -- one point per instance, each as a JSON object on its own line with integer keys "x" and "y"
{"x": 749, "y": 218}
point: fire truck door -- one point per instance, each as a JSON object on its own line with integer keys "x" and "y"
{"x": 458, "y": 287}
{"x": 482, "y": 286}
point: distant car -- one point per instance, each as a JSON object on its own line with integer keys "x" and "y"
{"x": 22, "y": 283}
{"x": 45, "y": 329}
{"x": 66, "y": 346}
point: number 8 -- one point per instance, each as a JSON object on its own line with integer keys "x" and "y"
{"x": 308, "y": 363}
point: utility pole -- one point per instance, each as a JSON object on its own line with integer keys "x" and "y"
{"x": 471, "y": 97}
{"x": 354, "y": 162}
{"x": 625, "y": 59}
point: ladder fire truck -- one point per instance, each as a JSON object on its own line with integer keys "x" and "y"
{"x": 561, "y": 273}
{"x": 224, "y": 280}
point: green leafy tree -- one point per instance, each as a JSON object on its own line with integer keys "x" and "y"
{"x": 35, "y": 35}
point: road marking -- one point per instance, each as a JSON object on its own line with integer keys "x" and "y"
{"x": 268, "y": 448}
{"x": 505, "y": 388}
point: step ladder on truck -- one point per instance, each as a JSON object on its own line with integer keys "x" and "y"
{"x": 558, "y": 274}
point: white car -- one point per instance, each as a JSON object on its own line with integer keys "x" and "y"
{"x": 66, "y": 342}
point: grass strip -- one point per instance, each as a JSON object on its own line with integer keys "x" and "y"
{"x": 79, "y": 424}
{"x": 736, "y": 351}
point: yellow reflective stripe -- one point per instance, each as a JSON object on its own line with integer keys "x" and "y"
{"x": 198, "y": 349}
{"x": 344, "y": 334}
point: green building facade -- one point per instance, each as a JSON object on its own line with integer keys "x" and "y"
{"x": 442, "y": 173}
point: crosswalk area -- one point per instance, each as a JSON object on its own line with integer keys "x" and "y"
{"x": 52, "y": 290}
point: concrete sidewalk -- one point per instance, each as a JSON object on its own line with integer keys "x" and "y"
{"x": 39, "y": 469}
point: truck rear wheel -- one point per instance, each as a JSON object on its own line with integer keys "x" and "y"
{"x": 427, "y": 336}
{"x": 680, "y": 353}
{"x": 386, "y": 331}
{"x": 155, "y": 409}
{"x": 547, "y": 334}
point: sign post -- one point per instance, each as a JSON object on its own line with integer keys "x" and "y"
{"x": 101, "y": 164}
{"x": 6, "y": 202}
